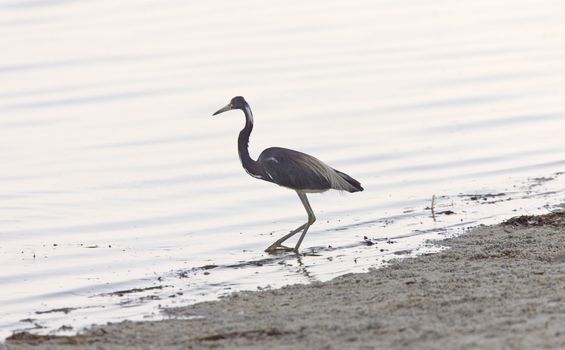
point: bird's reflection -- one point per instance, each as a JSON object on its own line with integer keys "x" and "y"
{"x": 303, "y": 270}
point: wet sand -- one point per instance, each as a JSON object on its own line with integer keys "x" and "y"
{"x": 497, "y": 287}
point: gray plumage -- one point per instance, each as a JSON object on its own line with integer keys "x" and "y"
{"x": 291, "y": 169}
{"x": 300, "y": 171}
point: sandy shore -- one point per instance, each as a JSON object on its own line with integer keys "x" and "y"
{"x": 498, "y": 287}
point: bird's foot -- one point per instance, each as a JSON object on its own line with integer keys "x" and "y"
{"x": 278, "y": 248}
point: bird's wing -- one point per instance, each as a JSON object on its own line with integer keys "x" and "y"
{"x": 300, "y": 171}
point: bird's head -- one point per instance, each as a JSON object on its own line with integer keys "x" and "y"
{"x": 237, "y": 102}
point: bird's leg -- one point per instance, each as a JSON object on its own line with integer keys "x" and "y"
{"x": 277, "y": 245}
{"x": 311, "y": 218}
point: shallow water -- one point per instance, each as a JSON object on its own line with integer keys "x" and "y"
{"x": 115, "y": 178}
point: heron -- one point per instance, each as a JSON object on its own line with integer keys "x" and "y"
{"x": 294, "y": 170}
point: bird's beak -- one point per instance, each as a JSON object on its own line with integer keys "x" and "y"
{"x": 225, "y": 109}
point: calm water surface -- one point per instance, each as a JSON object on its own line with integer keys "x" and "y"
{"x": 120, "y": 193}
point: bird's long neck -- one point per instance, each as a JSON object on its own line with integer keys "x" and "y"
{"x": 252, "y": 167}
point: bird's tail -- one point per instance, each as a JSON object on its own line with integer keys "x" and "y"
{"x": 355, "y": 185}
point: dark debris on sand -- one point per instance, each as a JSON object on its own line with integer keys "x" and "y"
{"x": 556, "y": 219}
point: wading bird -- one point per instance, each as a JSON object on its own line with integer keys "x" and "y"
{"x": 291, "y": 169}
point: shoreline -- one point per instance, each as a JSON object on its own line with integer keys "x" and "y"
{"x": 497, "y": 286}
